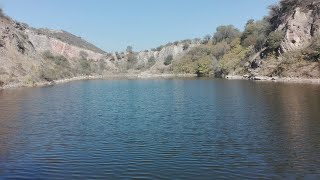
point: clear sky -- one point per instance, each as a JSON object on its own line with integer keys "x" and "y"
{"x": 144, "y": 24}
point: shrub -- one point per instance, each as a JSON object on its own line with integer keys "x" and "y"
{"x": 185, "y": 46}
{"x": 220, "y": 49}
{"x": 204, "y": 66}
{"x": 255, "y": 34}
{"x": 233, "y": 58}
{"x": 83, "y": 55}
{"x": 151, "y": 61}
{"x": 129, "y": 49}
{"x": 85, "y": 66}
{"x": 48, "y": 55}
{"x": 274, "y": 39}
{"x": 159, "y": 48}
{"x": 226, "y": 33}
{"x": 168, "y": 60}
{"x": 206, "y": 39}
{"x": 131, "y": 60}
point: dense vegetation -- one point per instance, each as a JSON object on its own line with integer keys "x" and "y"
{"x": 230, "y": 51}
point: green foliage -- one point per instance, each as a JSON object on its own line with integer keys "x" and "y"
{"x": 85, "y": 67}
{"x": 274, "y": 39}
{"x": 226, "y": 33}
{"x": 220, "y": 49}
{"x": 204, "y": 66}
{"x": 231, "y": 60}
{"x": 206, "y": 39}
{"x": 197, "y": 60}
{"x": 168, "y": 60}
{"x": 255, "y": 34}
{"x": 312, "y": 53}
{"x": 151, "y": 61}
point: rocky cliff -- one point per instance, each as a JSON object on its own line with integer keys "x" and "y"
{"x": 30, "y": 56}
{"x": 301, "y": 23}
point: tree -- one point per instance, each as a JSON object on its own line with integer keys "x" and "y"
{"x": 255, "y": 34}
{"x": 168, "y": 60}
{"x": 220, "y": 49}
{"x": 274, "y": 39}
{"x": 206, "y": 39}
{"x": 226, "y": 33}
{"x": 129, "y": 49}
{"x": 151, "y": 61}
{"x": 204, "y": 66}
{"x": 1, "y": 13}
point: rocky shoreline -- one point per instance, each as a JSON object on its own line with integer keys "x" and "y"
{"x": 160, "y": 76}
{"x": 97, "y": 77}
{"x": 274, "y": 79}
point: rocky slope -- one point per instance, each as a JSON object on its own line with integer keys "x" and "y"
{"x": 299, "y": 20}
{"x": 30, "y": 56}
{"x": 301, "y": 23}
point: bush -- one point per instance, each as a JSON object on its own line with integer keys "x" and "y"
{"x": 185, "y": 46}
{"x": 159, "y": 48}
{"x": 274, "y": 40}
{"x": 204, "y": 66}
{"x": 220, "y": 49}
{"x": 151, "y": 61}
{"x": 131, "y": 60}
{"x": 206, "y": 39}
{"x": 85, "y": 67}
{"x": 129, "y": 49}
{"x": 48, "y": 55}
{"x": 83, "y": 55}
{"x": 168, "y": 60}
{"x": 226, "y": 33}
{"x": 231, "y": 60}
{"x": 255, "y": 34}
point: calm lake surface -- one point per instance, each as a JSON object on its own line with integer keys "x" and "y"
{"x": 161, "y": 129}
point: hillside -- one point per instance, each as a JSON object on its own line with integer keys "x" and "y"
{"x": 285, "y": 43}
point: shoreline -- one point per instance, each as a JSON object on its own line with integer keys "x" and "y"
{"x": 275, "y": 79}
{"x": 98, "y": 77}
{"x": 160, "y": 76}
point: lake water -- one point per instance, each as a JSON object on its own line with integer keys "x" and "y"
{"x": 161, "y": 129}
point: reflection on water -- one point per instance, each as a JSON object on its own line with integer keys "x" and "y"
{"x": 161, "y": 129}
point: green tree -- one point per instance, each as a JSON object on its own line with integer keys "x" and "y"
{"x": 274, "y": 39}
{"x": 226, "y": 33}
{"x": 168, "y": 60}
{"x": 129, "y": 49}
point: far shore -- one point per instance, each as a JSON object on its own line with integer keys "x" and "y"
{"x": 99, "y": 77}
{"x": 160, "y": 76}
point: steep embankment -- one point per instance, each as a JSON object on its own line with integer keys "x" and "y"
{"x": 32, "y": 56}
{"x": 299, "y": 51}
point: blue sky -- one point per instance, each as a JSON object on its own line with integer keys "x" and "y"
{"x": 144, "y": 24}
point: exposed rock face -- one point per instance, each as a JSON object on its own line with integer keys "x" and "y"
{"x": 300, "y": 27}
{"x": 26, "y": 52}
{"x": 44, "y": 43}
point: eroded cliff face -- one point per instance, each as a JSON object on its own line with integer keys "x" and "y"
{"x": 44, "y": 43}
{"x": 301, "y": 26}
{"x": 30, "y": 56}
